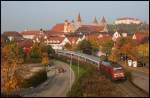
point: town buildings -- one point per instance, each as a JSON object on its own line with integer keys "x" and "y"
{"x": 11, "y": 35}
{"x": 73, "y": 32}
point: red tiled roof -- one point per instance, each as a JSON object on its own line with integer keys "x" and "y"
{"x": 58, "y": 27}
{"x": 91, "y": 36}
{"x": 39, "y": 35}
{"x": 25, "y": 43}
{"x": 140, "y": 35}
{"x": 104, "y": 35}
{"x": 57, "y": 40}
{"x": 53, "y": 33}
{"x": 90, "y": 28}
{"x": 104, "y": 38}
{"x": 12, "y": 33}
{"x": 72, "y": 39}
{"x": 34, "y": 32}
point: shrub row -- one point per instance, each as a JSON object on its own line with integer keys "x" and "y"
{"x": 33, "y": 60}
{"x": 36, "y": 79}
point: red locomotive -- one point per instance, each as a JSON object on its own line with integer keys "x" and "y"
{"x": 114, "y": 70}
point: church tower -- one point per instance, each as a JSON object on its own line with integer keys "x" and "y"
{"x": 78, "y": 22}
{"x": 104, "y": 24}
{"x": 66, "y": 26}
{"x": 94, "y": 22}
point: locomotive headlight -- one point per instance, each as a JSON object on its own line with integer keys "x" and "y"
{"x": 121, "y": 74}
{"x": 118, "y": 74}
{"x": 115, "y": 75}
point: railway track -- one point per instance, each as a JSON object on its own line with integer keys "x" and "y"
{"x": 129, "y": 90}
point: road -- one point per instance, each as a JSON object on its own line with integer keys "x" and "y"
{"x": 57, "y": 85}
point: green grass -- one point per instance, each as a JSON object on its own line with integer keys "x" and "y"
{"x": 82, "y": 71}
{"x": 76, "y": 89}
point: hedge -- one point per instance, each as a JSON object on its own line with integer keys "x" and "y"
{"x": 36, "y": 79}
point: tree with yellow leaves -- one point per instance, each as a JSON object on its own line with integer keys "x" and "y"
{"x": 12, "y": 69}
{"x": 45, "y": 59}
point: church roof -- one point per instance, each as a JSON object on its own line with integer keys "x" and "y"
{"x": 58, "y": 27}
{"x": 89, "y": 28}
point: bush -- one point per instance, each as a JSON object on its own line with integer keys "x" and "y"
{"x": 85, "y": 46}
{"x": 9, "y": 95}
{"x": 33, "y": 60}
{"x": 103, "y": 58}
{"x": 36, "y": 79}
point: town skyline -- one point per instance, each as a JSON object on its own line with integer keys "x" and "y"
{"x": 66, "y": 10}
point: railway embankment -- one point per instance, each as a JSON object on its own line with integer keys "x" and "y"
{"x": 139, "y": 77}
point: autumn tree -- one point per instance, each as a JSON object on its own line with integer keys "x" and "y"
{"x": 36, "y": 51}
{"x": 4, "y": 40}
{"x": 45, "y": 59}
{"x": 143, "y": 53}
{"x": 106, "y": 47}
{"x": 95, "y": 44}
{"x": 68, "y": 46}
{"x": 115, "y": 55}
{"x": 85, "y": 46}
{"x": 124, "y": 47}
{"x": 49, "y": 50}
{"x": 12, "y": 68}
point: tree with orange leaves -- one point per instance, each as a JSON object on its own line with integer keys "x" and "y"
{"x": 12, "y": 69}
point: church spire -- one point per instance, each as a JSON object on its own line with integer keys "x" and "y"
{"x": 95, "y": 20}
{"x": 103, "y": 20}
{"x": 79, "y": 18}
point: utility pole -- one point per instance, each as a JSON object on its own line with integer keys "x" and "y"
{"x": 78, "y": 66}
{"x": 70, "y": 70}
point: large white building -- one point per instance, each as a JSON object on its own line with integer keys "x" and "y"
{"x": 127, "y": 20}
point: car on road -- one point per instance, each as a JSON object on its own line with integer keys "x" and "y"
{"x": 61, "y": 70}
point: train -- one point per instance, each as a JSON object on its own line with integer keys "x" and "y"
{"x": 113, "y": 69}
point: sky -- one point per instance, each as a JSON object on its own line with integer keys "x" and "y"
{"x": 33, "y": 15}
